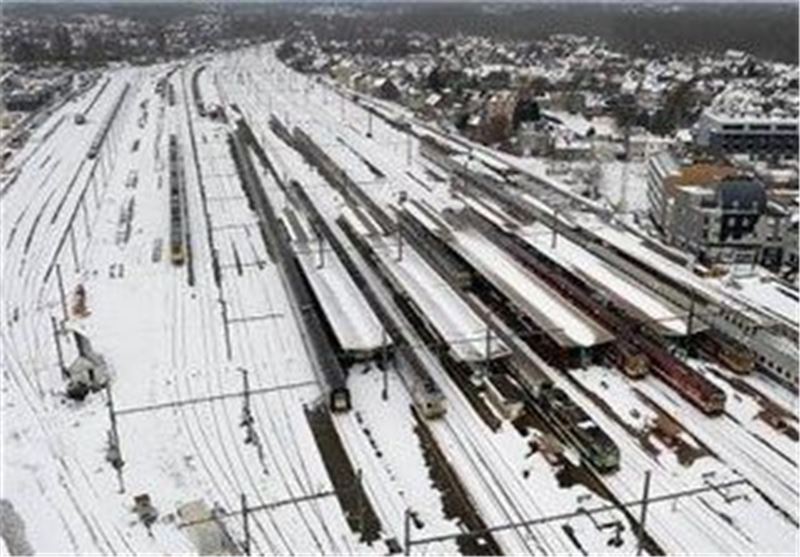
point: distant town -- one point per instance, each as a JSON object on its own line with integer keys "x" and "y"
{"x": 705, "y": 146}
{"x": 652, "y": 136}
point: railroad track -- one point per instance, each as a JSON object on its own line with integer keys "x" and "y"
{"x": 250, "y": 358}
{"x": 29, "y": 326}
{"x": 228, "y": 434}
{"x": 94, "y": 526}
{"x": 248, "y": 341}
{"x": 293, "y": 442}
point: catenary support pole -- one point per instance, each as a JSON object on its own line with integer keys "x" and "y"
{"x": 407, "y": 533}
{"x": 643, "y": 516}
{"x": 385, "y": 365}
{"x": 245, "y": 524}
{"x": 59, "y": 352}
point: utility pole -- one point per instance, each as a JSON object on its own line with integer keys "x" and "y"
{"x": 251, "y": 435}
{"x": 643, "y": 516}
{"x": 114, "y": 455}
{"x": 245, "y": 525}
{"x": 224, "y": 308}
{"x": 488, "y": 350}
{"x": 401, "y": 199}
{"x": 407, "y": 533}
{"x": 384, "y": 365}
{"x": 408, "y": 149}
{"x": 247, "y": 416}
{"x": 64, "y": 374}
{"x": 369, "y": 124}
{"x": 690, "y": 318}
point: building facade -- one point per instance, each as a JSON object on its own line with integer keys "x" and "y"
{"x": 759, "y": 137}
{"x": 716, "y": 214}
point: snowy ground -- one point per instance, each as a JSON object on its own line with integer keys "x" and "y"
{"x": 178, "y": 351}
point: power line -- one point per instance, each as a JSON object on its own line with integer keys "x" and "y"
{"x": 211, "y": 398}
{"x": 644, "y": 502}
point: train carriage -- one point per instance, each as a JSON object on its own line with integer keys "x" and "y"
{"x": 730, "y": 353}
{"x": 428, "y": 399}
{"x": 571, "y": 421}
{"x": 177, "y": 215}
{"x": 627, "y": 358}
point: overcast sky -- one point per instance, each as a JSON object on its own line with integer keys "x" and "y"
{"x": 404, "y": 1}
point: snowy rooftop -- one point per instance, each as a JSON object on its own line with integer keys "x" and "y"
{"x": 454, "y": 320}
{"x": 624, "y": 290}
{"x": 547, "y": 308}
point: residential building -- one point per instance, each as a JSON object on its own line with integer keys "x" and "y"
{"x": 385, "y": 88}
{"x": 755, "y": 135}
{"x": 665, "y": 174}
{"x": 716, "y": 213}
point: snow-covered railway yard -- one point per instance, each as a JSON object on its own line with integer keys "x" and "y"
{"x": 314, "y": 344}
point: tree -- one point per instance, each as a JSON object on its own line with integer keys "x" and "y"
{"x": 93, "y": 49}
{"x": 435, "y": 80}
{"x": 28, "y": 52}
{"x": 496, "y": 129}
{"x": 61, "y": 45}
{"x": 527, "y": 110}
{"x": 678, "y": 105}
{"x": 161, "y": 40}
{"x": 625, "y": 110}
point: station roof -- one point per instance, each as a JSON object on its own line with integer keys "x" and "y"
{"x": 568, "y": 326}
